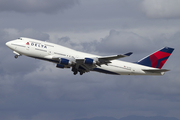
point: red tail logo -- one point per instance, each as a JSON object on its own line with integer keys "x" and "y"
{"x": 157, "y": 59}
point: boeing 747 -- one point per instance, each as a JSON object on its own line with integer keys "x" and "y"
{"x": 83, "y": 62}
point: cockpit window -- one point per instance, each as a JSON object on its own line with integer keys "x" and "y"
{"x": 20, "y": 38}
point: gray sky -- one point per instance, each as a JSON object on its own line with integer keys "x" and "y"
{"x": 36, "y": 90}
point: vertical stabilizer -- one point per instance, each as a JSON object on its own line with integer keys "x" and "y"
{"x": 157, "y": 59}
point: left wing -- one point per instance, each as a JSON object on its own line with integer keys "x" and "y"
{"x": 116, "y": 56}
{"x": 107, "y": 59}
{"x": 101, "y": 60}
{"x": 86, "y": 64}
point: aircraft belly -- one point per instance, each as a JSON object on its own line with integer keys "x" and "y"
{"x": 113, "y": 70}
{"x": 105, "y": 71}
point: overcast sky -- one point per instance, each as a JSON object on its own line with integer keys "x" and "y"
{"x": 31, "y": 89}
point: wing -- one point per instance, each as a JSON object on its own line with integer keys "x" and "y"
{"x": 115, "y": 56}
{"x": 101, "y": 60}
{"x": 86, "y": 64}
{"x": 107, "y": 59}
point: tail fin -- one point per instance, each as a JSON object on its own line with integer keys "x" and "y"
{"x": 157, "y": 59}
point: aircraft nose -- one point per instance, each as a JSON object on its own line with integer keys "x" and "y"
{"x": 8, "y": 44}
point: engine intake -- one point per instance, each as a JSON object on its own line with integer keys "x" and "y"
{"x": 91, "y": 61}
{"x": 66, "y": 61}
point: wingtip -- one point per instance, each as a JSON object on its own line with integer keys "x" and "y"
{"x": 129, "y": 53}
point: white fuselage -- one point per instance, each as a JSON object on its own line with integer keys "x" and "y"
{"x": 46, "y": 51}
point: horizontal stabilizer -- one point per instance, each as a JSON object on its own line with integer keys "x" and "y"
{"x": 155, "y": 70}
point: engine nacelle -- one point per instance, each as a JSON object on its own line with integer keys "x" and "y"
{"x": 91, "y": 61}
{"x": 65, "y": 61}
{"x": 59, "y": 66}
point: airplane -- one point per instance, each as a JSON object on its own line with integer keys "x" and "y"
{"x": 81, "y": 62}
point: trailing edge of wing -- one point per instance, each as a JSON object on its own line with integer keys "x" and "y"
{"x": 155, "y": 70}
{"x": 109, "y": 58}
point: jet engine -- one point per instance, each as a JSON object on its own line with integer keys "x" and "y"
{"x": 66, "y": 61}
{"x": 91, "y": 61}
{"x": 59, "y": 66}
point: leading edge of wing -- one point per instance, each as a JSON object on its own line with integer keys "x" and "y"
{"x": 113, "y": 57}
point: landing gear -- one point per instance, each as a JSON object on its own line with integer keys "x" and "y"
{"x": 75, "y": 71}
{"x": 81, "y": 73}
{"x": 16, "y": 56}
